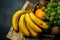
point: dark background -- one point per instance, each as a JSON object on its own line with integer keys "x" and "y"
{"x": 7, "y": 9}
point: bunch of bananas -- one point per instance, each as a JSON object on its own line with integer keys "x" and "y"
{"x": 27, "y": 23}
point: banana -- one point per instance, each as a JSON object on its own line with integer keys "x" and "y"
{"x": 31, "y": 24}
{"x": 39, "y": 22}
{"x": 15, "y": 19}
{"x": 22, "y": 26}
{"x": 33, "y": 33}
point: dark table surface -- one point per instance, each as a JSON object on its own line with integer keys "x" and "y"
{"x": 7, "y": 9}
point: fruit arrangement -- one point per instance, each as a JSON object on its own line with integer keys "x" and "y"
{"x": 52, "y": 13}
{"x": 26, "y": 22}
{"x": 31, "y": 24}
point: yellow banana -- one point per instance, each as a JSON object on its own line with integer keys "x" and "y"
{"x": 31, "y": 24}
{"x": 33, "y": 33}
{"x": 22, "y": 26}
{"x": 39, "y": 22}
{"x": 15, "y": 19}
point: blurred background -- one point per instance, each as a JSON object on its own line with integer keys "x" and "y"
{"x": 7, "y": 9}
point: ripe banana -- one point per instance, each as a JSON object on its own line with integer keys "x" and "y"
{"x": 31, "y": 24}
{"x": 33, "y": 33}
{"x": 22, "y": 26}
{"x": 15, "y": 19}
{"x": 39, "y": 22}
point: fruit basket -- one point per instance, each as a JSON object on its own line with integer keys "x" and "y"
{"x": 45, "y": 35}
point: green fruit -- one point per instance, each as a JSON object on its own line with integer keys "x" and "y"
{"x": 53, "y": 14}
{"x": 46, "y": 17}
{"x": 46, "y": 10}
{"x": 53, "y": 10}
{"x": 49, "y": 8}
{"x": 49, "y": 24}
{"x": 55, "y": 22}
{"x": 43, "y": 8}
{"x": 58, "y": 8}
{"x": 50, "y": 4}
{"x": 59, "y": 16}
{"x": 49, "y": 12}
{"x": 56, "y": 17}
{"x": 58, "y": 3}
{"x": 51, "y": 18}
{"x": 58, "y": 23}
{"x": 58, "y": 12}
{"x": 51, "y": 0}
{"x": 54, "y": 4}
